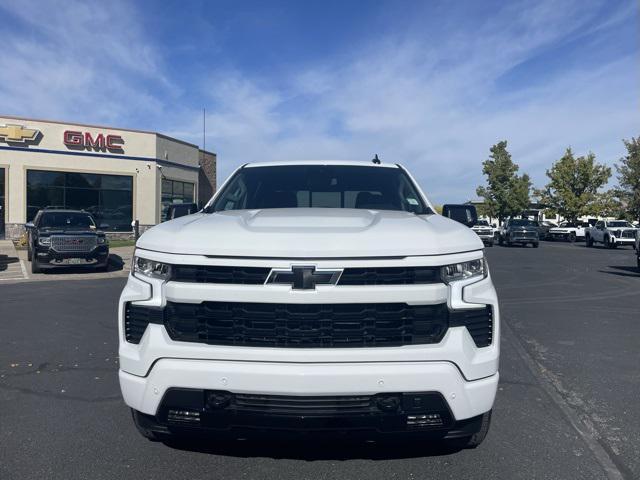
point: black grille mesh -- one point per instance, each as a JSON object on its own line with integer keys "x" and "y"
{"x": 136, "y": 319}
{"x": 350, "y": 276}
{"x": 479, "y": 323}
{"x": 219, "y": 274}
{"x": 308, "y": 326}
{"x": 390, "y": 276}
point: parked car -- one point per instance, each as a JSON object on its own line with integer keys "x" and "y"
{"x": 543, "y": 229}
{"x": 484, "y": 231}
{"x": 59, "y": 238}
{"x": 570, "y": 231}
{"x": 611, "y": 233}
{"x": 285, "y": 304}
{"x": 519, "y": 231}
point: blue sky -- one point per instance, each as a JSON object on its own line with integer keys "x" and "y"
{"x": 429, "y": 84}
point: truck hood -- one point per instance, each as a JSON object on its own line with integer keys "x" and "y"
{"x": 310, "y": 233}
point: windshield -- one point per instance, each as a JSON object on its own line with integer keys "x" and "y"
{"x": 320, "y": 186}
{"x": 482, "y": 223}
{"x": 619, "y": 223}
{"x": 521, "y": 222}
{"x": 66, "y": 220}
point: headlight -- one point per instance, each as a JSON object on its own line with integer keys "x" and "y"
{"x": 464, "y": 270}
{"x": 151, "y": 268}
{"x": 102, "y": 240}
{"x": 44, "y": 241}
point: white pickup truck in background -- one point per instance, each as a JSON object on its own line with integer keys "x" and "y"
{"x": 611, "y": 233}
{"x": 485, "y": 232}
{"x": 570, "y": 231}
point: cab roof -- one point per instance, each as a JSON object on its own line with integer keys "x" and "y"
{"x": 353, "y": 163}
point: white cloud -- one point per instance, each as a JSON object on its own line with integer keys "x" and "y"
{"x": 432, "y": 96}
{"x": 433, "y": 106}
{"x": 77, "y": 61}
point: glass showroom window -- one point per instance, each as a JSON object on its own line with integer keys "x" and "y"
{"x": 109, "y": 198}
{"x": 174, "y": 191}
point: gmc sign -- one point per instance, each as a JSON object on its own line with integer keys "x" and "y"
{"x": 86, "y": 141}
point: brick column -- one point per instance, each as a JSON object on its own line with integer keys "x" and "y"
{"x": 206, "y": 176}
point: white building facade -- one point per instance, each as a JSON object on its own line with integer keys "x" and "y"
{"x": 118, "y": 175}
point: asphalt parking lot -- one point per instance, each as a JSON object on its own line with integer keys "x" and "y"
{"x": 567, "y": 405}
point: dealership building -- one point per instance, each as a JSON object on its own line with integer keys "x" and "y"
{"x": 118, "y": 175}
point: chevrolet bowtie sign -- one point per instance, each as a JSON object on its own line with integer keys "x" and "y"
{"x": 18, "y": 134}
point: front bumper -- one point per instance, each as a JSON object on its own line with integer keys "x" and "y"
{"x": 623, "y": 240}
{"x": 465, "y": 399}
{"x": 523, "y": 238}
{"x": 97, "y": 255}
{"x": 465, "y": 375}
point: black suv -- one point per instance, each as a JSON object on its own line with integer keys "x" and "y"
{"x": 66, "y": 238}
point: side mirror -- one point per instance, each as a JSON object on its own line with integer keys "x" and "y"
{"x": 465, "y": 214}
{"x": 29, "y": 225}
{"x": 494, "y": 225}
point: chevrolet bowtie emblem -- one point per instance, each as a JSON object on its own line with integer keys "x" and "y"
{"x": 303, "y": 277}
{"x": 18, "y": 134}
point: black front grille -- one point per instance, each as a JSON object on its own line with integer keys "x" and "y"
{"x": 390, "y": 276}
{"x": 219, "y": 274}
{"x": 308, "y": 326}
{"x": 628, "y": 234}
{"x": 303, "y": 405}
{"x": 350, "y": 276}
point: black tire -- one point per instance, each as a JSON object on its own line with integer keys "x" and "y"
{"x": 477, "y": 438}
{"x": 589, "y": 241}
{"x": 535, "y": 244}
{"x": 29, "y": 254}
{"x": 572, "y": 237}
{"x": 490, "y": 244}
{"x": 638, "y": 260}
{"x": 35, "y": 266}
{"x": 509, "y": 244}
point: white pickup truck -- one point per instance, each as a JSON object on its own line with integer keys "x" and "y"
{"x": 611, "y": 233}
{"x": 570, "y": 231}
{"x": 311, "y": 296}
{"x": 485, "y": 231}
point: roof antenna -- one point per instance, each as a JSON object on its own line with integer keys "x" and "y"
{"x": 376, "y": 160}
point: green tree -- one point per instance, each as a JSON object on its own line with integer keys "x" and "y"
{"x": 629, "y": 177}
{"x": 506, "y": 193}
{"x": 608, "y": 204}
{"x": 573, "y": 185}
